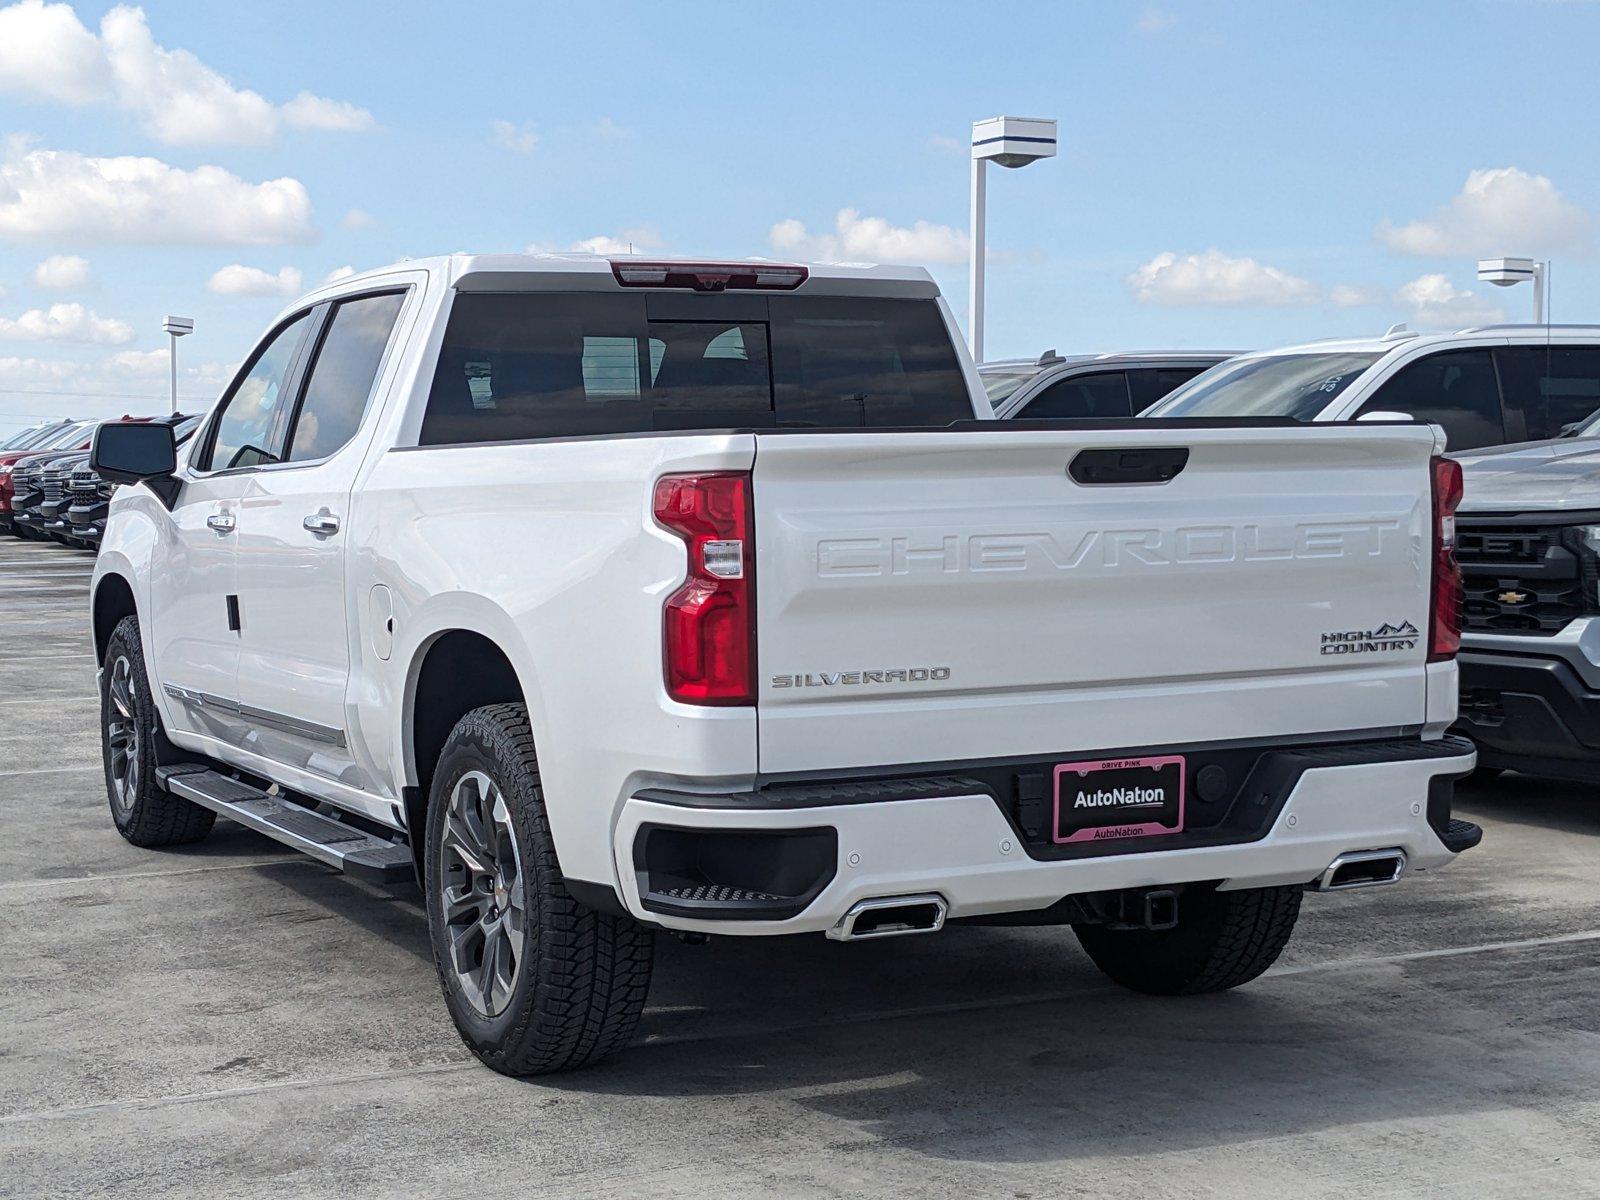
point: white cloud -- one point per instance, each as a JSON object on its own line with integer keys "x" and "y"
{"x": 306, "y": 111}
{"x": 1154, "y": 21}
{"x": 65, "y": 323}
{"x": 520, "y": 139}
{"x": 1433, "y": 302}
{"x": 1500, "y": 211}
{"x": 357, "y": 219}
{"x": 237, "y": 280}
{"x": 47, "y": 54}
{"x": 108, "y": 386}
{"x": 61, "y": 271}
{"x": 1351, "y": 295}
{"x": 870, "y": 239}
{"x": 1216, "y": 279}
{"x": 950, "y": 145}
{"x": 338, "y": 273}
{"x": 607, "y": 128}
{"x": 639, "y": 240}
{"x": 63, "y": 194}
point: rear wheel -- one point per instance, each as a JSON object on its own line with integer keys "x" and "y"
{"x": 535, "y": 981}
{"x": 1222, "y": 939}
{"x": 145, "y": 813}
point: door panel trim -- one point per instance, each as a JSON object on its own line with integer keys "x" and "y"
{"x": 260, "y": 716}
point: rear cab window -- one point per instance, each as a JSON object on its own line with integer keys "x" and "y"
{"x": 525, "y": 365}
{"x": 1454, "y": 389}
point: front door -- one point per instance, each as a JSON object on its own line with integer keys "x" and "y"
{"x": 193, "y": 617}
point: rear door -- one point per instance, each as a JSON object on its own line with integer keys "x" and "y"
{"x": 294, "y": 647}
{"x": 942, "y": 596}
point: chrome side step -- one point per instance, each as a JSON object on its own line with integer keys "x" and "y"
{"x": 351, "y": 850}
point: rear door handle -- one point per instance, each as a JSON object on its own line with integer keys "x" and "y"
{"x": 222, "y": 522}
{"x": 322, "y": 523}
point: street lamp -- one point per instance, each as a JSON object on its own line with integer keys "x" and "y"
{"x": 1008, "y": 142}
{"x": 1507, "y": 272}
{"x": 177, "y": 327}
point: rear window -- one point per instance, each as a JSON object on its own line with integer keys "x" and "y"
{"x": 516, "y": 366}
{"x": 1278, "y": 385}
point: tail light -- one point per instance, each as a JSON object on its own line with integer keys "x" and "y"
{"x": 708, "y": 624}
{"x": 1444, "y": 622}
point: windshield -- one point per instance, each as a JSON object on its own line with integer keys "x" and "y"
{"x": 63, "y": 437}
{"x": 1278, "y": 385}
{"x": 1000, "y": 384}
{"x": 23, "y": 438}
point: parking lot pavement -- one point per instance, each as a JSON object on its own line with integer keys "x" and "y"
{"x": 231, "y": 1019}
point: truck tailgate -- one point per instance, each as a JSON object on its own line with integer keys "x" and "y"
{"x": 944, "y": 596}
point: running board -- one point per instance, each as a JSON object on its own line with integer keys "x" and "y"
{"x": 352, "y": 850}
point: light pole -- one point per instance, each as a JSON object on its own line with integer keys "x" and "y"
{"x": 1009, "y": 142}
{"x": 1507, "y": 272}
{"x": 177, "y": 327}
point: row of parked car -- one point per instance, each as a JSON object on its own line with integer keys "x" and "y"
{"x": 48, "y": 490}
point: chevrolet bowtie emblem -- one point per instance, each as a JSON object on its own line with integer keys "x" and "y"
{"x": 1512, "y": 597}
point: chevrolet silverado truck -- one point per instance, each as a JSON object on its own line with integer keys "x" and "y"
{"x": 614, "y": 597}
{"x": 1529, "y": 542}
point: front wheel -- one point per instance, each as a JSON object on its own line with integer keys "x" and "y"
{"x": 535, "y": 981}
{"x": 145, "y": 813}
{"x": 1222, "y": 939}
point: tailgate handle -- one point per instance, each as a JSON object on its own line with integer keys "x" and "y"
{"x": 1128, "y": 465}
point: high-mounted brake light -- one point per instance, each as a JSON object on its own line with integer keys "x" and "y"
{"x": 1444, "y": 623}
{"x": 708, "y": 624}
{"x": 710, "y": 277}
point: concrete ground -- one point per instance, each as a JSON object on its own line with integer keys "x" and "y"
{"x": 230, "y": 1019}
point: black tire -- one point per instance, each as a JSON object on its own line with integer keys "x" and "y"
{"x": 579, "y": 980}
{"x": 130, "y": 735}
{"x": 1222, "y": 939}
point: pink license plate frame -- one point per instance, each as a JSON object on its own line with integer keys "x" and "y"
{"x": 1128, "y": 772}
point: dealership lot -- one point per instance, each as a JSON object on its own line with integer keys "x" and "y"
{"x": 230, "y": 1018}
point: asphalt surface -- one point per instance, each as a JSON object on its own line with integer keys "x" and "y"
{"x": 230, "y": 1019}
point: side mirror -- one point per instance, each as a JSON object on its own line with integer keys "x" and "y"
{"x": 137, "y": 452}
{"x": 1572, "y": 428}
{"x": 1379, "y": 415}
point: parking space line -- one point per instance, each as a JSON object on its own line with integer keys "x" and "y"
{"x": 96, "y": 767}
{"x": 46, "y": 657}
{"x": 766, "y": 1030}
{"x": 288, "y": 856}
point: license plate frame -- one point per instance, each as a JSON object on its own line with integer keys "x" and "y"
{"x": 1101, "y": 816}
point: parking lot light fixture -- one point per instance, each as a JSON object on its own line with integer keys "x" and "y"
{"x": 1008, "y": 142}
{"x": 1507, "y": 272}
{"x": 175, "y": 328}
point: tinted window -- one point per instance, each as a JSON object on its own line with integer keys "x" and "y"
{"x": 1149, "y": 384}
{"x": 1555, "y": 386}
{"x": 341, "y": 379}
{"x": 1104, "y": 394}
{"x": 536, "y": 365}
{"x": 1456, "y": 389}
{"x": 244, "y": 431}
{"x": 1273, "y": 385}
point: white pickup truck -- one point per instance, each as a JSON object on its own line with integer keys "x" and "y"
{"x": 621, "y": 596}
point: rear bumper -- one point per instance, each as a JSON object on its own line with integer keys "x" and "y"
{"x": 966, "y": 848}
{"x": 1530, "y": 712}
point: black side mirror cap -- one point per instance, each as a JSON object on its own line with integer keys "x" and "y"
{"x": 136, "y": 452}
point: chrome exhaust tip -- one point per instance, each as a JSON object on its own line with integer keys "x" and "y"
{"x": 891, "y": 916}
{"x": 1363, "y": 868}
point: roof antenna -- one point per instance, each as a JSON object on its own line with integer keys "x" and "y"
{"x": 1395, "y": 330}
{"x": 1050, "y": 358}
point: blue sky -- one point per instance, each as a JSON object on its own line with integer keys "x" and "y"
{"x": 1233, "y": 176}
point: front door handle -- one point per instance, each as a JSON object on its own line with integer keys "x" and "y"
{"x": 222, "y": 522}
{"x": 322, "y": 523}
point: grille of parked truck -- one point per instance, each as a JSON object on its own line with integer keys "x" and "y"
{"x": 617, "y": 597}
{"x": 1529, "y": 540}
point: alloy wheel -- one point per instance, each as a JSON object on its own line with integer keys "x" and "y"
{"x": 480, "y": 882}
{"x": 123, "y": 739}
